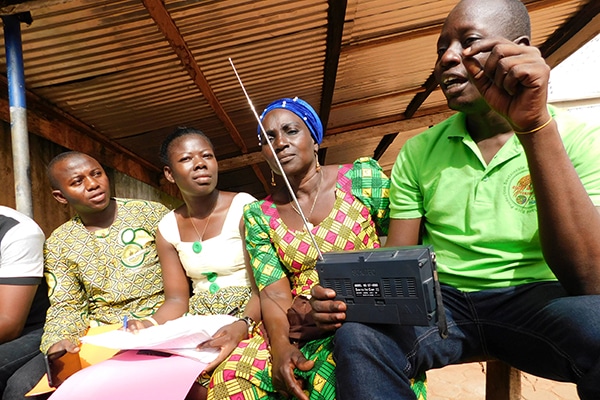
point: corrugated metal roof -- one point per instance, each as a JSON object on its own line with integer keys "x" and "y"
{"x": 126, "y": 72}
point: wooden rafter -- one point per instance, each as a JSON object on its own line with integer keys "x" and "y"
{"x": 427, "y": 88}
{"x": 65, "y": 130}
{"x": 167, "y": 26}
{"x": 571, "y": 28}
{"x": 335, "y": 25}
{"x": 165, "y": 23}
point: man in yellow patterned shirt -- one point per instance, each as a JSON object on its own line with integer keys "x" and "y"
{"x": 101, "y": 265}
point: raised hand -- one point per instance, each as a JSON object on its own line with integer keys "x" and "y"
{"x": 513, "y": 80}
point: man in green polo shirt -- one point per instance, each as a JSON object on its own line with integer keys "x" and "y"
{"x": 508, "y": 191}
{"x": 481, "y": 215}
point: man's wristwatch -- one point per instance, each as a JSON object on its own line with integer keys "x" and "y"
{"x": 250, "y": 323}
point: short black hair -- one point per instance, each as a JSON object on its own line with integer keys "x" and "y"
{"x": 179, "y": 132}
{"x": 60, "y": 157}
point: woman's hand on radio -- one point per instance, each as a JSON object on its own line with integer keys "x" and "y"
{"x": 327, "y": 312}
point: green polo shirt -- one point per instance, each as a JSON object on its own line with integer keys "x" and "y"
{"x": 481, "y": 219}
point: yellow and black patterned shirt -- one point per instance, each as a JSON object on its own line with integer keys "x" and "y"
{"x": 97, "y": 278}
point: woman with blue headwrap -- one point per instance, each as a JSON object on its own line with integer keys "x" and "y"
{"x": 296, "y": 360}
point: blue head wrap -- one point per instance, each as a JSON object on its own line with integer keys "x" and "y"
{"x": 303, "y": 110}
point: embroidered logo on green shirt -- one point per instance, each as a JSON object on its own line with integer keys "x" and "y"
{"x": 519, "y": 191}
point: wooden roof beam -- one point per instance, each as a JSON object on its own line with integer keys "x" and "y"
{"x": 386, "y": 141}
{"x": 581, "y": 28}
{"x": 55, "y": 125}
{"x": 335, "y": 27}
{"x": 165, "y": 23}
{"x": 8, "y": 7}
{"x": 336, "y": 14}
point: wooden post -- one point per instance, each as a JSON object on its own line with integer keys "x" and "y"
{"x": 502, "y": 382}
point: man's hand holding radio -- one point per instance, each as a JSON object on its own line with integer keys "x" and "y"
{"x": 329, "y": 314}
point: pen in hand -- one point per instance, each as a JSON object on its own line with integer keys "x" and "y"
{"x": 234, "y": 311}
{"x": 125, "y": 323}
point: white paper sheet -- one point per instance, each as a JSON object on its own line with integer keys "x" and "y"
{"x": 180, "y": 336}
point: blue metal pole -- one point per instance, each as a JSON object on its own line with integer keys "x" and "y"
{"x": 18, "y": 114}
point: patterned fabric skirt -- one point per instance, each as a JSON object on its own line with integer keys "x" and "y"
{"x": 222, "y": 302}
{"x": 246, "y": 374}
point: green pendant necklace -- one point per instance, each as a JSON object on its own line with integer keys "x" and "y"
{"x": 197, "y": 245}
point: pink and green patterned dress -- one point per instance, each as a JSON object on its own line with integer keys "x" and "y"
{"x": 360, "y": 212}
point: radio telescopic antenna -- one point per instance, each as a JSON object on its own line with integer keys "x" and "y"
{"x": 285, "y": 178}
